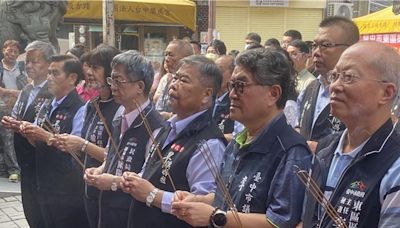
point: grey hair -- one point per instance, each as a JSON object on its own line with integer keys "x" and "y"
{"x": 137, "y": 67}
{"x": 46, "y": 49}
{"x": 210, "y": 74}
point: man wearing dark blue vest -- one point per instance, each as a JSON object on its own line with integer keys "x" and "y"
{"x": 58, "y": 175}
{"x": 130, "y": 81}
{"x": 358, "y": 170}
{"x": 175, "y": 160}
{"x": 258, "y": 187}
{"x": 31, "y": 98}
{"x": 315, "y": 121}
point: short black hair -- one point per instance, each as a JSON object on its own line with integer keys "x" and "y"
{"x": 102, "y": 55}
{"x": 196, "y": 43}
{"x": 72, "y": 65}
{"x": 301, "y": 45}
{"x": 272, "y": 42}
{"x": 349, "y": 27}
{"x": 270, "y": 66}
{"x": 219, "y": 46}
{"x": 78, "y": 50}
{"x": 254, "y": 36}
{"x": 296, "y": 35}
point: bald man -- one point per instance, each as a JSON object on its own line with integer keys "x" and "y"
{"x": 358, "y": 169}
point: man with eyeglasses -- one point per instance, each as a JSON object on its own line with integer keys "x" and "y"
{"x": 176, "y": 159}
{"x": 258, "y": 169}
{"x": 335, "y": 34}
{"x": 299, "y": 53}
{"x": 130, "y": 81}
{"x": 358, "y": 170}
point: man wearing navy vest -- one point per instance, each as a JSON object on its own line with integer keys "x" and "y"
{"x": 358, "y": 169}
{"x": 315, "y": 121}
{"x": 31, "y": 98}
{"x": 182, "y": 166}
{"x": 130, "y": 81}
{"x": 58, "y": 175}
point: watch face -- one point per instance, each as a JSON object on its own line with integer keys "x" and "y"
{"x": 220, "y": 219}
{"x": 114, "y": 187}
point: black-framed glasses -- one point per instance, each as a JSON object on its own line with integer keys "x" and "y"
{"x": 326, "y": 45}
{"x": 347, "y": 77}
{"x": 239, "y": 86}
{"x": 117, "y": 82}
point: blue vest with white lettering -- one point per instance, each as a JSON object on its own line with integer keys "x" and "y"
{"x": 130, "y": 157}
{"x": 248, "y": 172}
{"x": 356, "y": 197}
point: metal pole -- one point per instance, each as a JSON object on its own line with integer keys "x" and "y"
{"x": 108, "y": 22}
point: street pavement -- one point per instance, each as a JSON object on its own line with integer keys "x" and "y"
{"x": 11, "y": 212}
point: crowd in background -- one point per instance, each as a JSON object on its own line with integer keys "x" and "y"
{"x": 226, "y": 138}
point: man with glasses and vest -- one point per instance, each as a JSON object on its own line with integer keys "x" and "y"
{"x": 335, "y": 34}
{"x": 130, "y": 81}
{"x": 358, "y": 170}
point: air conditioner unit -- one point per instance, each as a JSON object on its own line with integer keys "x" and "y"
{"x": 340, "y": 9}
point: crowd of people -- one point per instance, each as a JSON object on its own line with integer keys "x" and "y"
{"x": 286, "y": 134}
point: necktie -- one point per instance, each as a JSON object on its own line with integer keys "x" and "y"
{"x": 124, "y": 125}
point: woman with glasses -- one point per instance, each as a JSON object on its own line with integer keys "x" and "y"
{"x": 98, "y": 121}
{"x": 256, "y": 182}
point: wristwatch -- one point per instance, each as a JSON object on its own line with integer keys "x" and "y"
{"x": 114, "y": 184}
{"x": 151, "y": 196}
{"x": 218, "y": 218}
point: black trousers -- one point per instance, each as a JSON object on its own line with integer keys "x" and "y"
{"x": 63, "y": 211}
{"x": 30, "y": 202}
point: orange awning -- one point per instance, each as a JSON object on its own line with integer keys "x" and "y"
{"x": 179, "y": 12}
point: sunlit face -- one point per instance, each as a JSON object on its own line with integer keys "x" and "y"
{"x": 36, "y": 66}
{"x": 172, "y": 57}
{"x": 11, "y": 53}
{"x": 187, "y": 93}
{"x": 348, "y": 100}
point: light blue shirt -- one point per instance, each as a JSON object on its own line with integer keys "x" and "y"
{"x": 389, "y": 189}
{"x": 32, "y": 95}
{"x": 77, "y": 122}
{"x": 199, "y": 176}
{"x": 323, "y": 100}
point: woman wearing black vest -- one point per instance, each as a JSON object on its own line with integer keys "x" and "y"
{"x": 94, "y": 135}
{"x": 259, "y": 164}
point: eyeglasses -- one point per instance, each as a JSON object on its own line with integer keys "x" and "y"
{"x": 324, "y": 46}
{"x": 118, "y": 83}
{"x": 239, "y": 86}
{"x": 346, "y": 77}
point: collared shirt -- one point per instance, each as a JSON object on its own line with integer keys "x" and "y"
{"x": 339, "y": 163}
{"x": 10, "y": 76}
{"x": 34, "y": 92}
{"x": 131, "y": 116}
{"x": 77, "y": 122}
{"x": 218, "y": 102}
{"x": 199, "y": 176}
{"x": 304, "y": 78}
{"x": 389, "y": 189}
{"x": 322, "y": 100}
